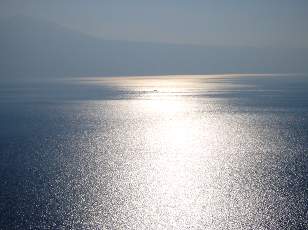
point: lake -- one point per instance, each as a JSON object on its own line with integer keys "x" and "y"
{"x": 157, "y": 152}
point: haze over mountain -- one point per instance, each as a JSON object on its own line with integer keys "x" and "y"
{"x": 38, "y": 48}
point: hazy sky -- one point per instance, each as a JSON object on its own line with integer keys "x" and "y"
{"x": 259, "y": 23}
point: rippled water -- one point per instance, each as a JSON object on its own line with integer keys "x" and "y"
{"x": 170, "y": 152}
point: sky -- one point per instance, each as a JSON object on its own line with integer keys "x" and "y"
{"x": 257, "y": 23}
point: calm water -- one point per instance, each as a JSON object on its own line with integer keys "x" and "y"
{"x": 189, "y": 152}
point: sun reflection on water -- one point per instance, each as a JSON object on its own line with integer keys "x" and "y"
{"x": 179, "y": 161}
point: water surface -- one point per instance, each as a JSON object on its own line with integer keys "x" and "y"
{"x": 169, "y": 152}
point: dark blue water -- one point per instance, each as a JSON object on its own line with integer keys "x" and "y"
{"x": 186, "y": 152}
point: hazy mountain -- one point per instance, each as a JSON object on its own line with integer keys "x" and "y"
{"x": 35, "y": 48}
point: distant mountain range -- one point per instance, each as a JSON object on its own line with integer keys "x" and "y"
{"x": 37, "y": 48}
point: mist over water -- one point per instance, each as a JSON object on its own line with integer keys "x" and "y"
{"x": 166, "y": 152}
